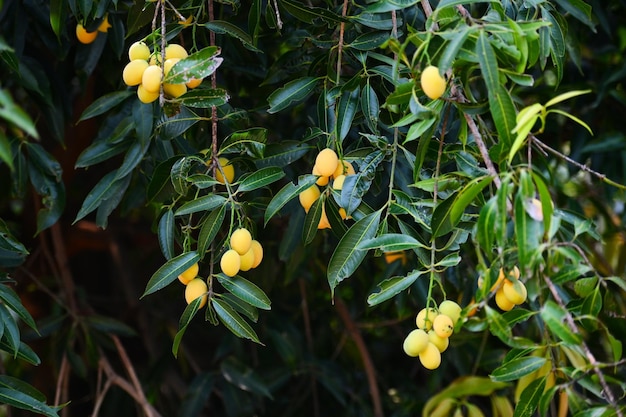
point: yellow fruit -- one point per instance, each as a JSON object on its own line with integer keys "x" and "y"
{"x": 344, "y": 215}
{"x": 344, "y": 168}
{"x": 196, "y": 288}
{"x": 322, "y": 180}
{"x": 189, "y": 274}
{"x": 430, "y": 357}
{"x": 324, "y": 223}
{"x": 133, "y": 72}
{"x": 155, "y": 58}
{"x": 424, "y": 319}
{"x": 433, "y": 84}
{"x": 247, "y": 260}
{"x": 326, "y": 162}
{"x": 450, "y": 309}
{"x": 174, "y": 90}
{"x": 83, "y": 36}
{"x": 146, "y": 96}
{"x": 515, "y": 291}
{"x": 229, "y": 171}
{"x": 308, "y": 197}
{"x": 194, "y": 82}
{"x": 230, "y": 262}
{"x": 443, "y": 326}
{"x": 415, "y": 342}
{"x": 442, "y": 343}
{"x": 151, "y": 79}
{"x": 104, "y": 25}
{"x": 139, "y": 50}
{"x": 174, "y": 50}
{"x": 399, "y": 255}
{"x": 258, "y": 253}
{"x": 169, "y": 63}
{"x": 241, "y": 240}
{"x": 338, "y": 182}
{"x": 503, "y": 302}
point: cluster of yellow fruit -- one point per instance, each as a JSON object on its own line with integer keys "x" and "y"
{"x": 244, "y": 254}
{"x": 145, "y": 71}
{"x": 327, "y": 166}
{"x": 509, "y": 292}
{"x": 433, "y": 84}
{"x": 431, "y": 338}
{"x": 88, "y": 37}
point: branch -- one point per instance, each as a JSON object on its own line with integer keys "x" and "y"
{"x": 365, "y": 356}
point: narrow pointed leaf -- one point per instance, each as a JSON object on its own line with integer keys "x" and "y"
{"x": 165, "y": 234}
{"x": 170, "y": 271}
{"x": 391, "y": 287}
{"x": 223, "y": 27}
{"x": 198, "y": 65}
{"x": 189, "y": 313}
{"x": 391, "y": 242}
{"x": 105, "y": 103}
{"x": 204, "y": 203}
{"x": 261, "y": 178}
{"x": 23, "y": 401}
{"x": 287, "y": 193}
{"x": 555, "y": 318}
{"x": 346, "y": 109}
{"x": 245, "y": 291}
{"x": 210, "y": 227}
{"x": 529, "y": 400}
{"x": 101, "y": 191}
{"x": 517, "y": 368}
{"x": 204, "y": 98}
{"x": 12, "y": 300}
{"x": 293, "y": 92}
{"x": 233, "y": 321}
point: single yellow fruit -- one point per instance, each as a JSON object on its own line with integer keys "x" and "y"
{"x": 169, "y": 63}
{"x": 155, "y": 58}
{"x": 324, "y": 223}
{"x": 424, "y": 319}
{"x": 503, "y": 302}
{"x": 196, "y": 288}
{"x": 415, "y": 342}
{"x": 174, "y": 90}
{"x": 133, "y": 72}
{"x": 173, "y": 50}
{"x": 450, "y": 309}
{"x": 189, "y": 274}
{"x": 104, "y": 25}
{"x": 515, "y": 291}
{"x": 151, "y": 79}
{"x": 247, "y": 260}
{"x": 442, "y": 343}
{"x": 326, "y": 162}
{"x": 258, "y": 253}
{"x": 433, "y": 84}
{"x": 146, "y": 96}
{"x": 241, "y": 240}
{"x": 344, "y": 168}
{"x": 443, "y": 326}
{"x": 399, "y": 255}
{"x": 83, "y": 36}
{"x": 194, "y": 82}
{"x": 139, "y": 50}
{"x": 343, "y": 214}
{"x": 322, "y": 180}
{"x": 230, "y": 262}
{"x": 430, "y": 357}
{"x": 308, "y": 197}
{"x": 338, "y": 182}
{"x": 229, "y": 171}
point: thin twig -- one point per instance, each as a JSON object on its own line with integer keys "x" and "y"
{"x": 368, "y": 364}
{"x": 569, "y": 320}
{"x": 342, "y": 27}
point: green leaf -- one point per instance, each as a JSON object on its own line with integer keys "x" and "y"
{"x": 498, "y": 326}
{"x": 486, "y": 224}
{"x": 109, "y": 325}
{"x": 103, "y": 190}
{"x": 488, "y": 64}
{"x": 170, "y": 271}
{"x": 11, "y": 333}
{"x": 242, "y": 307}
{"x": 503, "y": 113}
{"x": 527, "y": 231}
{"x": 293, "y": 92}
{"x": 579, "y": 9}
{"x": 287, "y": 193}
{"x": 197, "y": 395}
{"x": 204, "y": 203}
{"x": 462, "y": 387}
{"x": 555, "y": 318}
{"x": 370, "y": 107}
{"x": 188, "y": 314}
{"x": 134, "y": 155}
{"x": 517, "y": 368}
{"x": 393, "y": 286}
{"x": 346, "y": 258}
{"x": 260, "y": 178}
{"x": 165, "y": 234}
{"x": 547, "y": 207}
{"x": 15, "y": 115}
{"x": 391, "y": 242}
{"x": 6, "y": 155}
{"x": 450, "y": 3}
{"x": 101, "y": 151}
{"x": 209, "y": 229}
{"x": 19, "y": 385}
{"x": 24, "y": 352}
{"x": 450, "y": 53}
{"x": 346, "y": 109}
{"x": 529, "y": 400}
{"x": 23, "y": 401}
{"x": 356, "y": 186}
{"x": 204, "y": 98}
{"x": 243, "y": 377}
{"x": 312, "y": 220}
{"x": 566, "y": 96}
{"x": 105, "y": 103}
{"x": 198, "y": 65}
{"x": 223, "y": 27}
{"x": 233, "y": 321}
{"x": 310, "y": 14}
{"x": 57, "y": 15}
{"x": 12, "y": 300}
{"x": 245, "y": 291}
